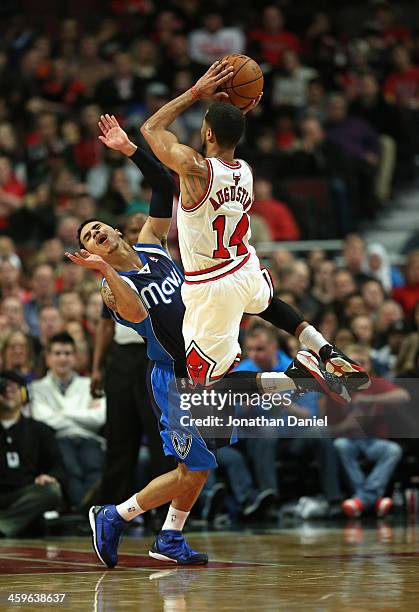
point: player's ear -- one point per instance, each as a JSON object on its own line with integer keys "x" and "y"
{"x": 210, "y": 135}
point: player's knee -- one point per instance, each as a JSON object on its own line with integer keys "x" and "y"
{"x": 192, "y": 478}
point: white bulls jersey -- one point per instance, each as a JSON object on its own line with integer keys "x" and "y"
{"x": 214, "y": 234}
{"x": 223, "y": 277}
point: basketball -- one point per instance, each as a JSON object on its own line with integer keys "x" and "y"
{"x": 246, "y": 82}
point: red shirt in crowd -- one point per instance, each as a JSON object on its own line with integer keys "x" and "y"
{"x": 402, "y": 86}
{"x": 279, "y": 218}
{"x": 274, "y": 45}
{"x": 407, "y": 297}
{"x": 12, "y": 187}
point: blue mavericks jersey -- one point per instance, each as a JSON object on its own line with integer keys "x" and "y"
{"x": 158, "y": 283}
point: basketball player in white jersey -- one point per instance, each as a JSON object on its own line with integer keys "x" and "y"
{"x": 223, "y": 277}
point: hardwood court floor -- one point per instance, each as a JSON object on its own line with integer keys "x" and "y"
{"x": 305, "y": 568}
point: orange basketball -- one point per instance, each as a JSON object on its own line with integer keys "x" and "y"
{"x": 246, "y": 82}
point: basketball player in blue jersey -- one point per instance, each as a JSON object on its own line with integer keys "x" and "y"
{"x": 142, "y": 289}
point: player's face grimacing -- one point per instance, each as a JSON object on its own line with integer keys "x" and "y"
{"x": 99, "y": 238}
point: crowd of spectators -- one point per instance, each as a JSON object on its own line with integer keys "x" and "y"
{"x": 336, "y": 130}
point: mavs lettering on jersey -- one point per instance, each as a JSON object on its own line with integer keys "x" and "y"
{"x": 158, "y": 283}
{"x": 154, "y": 292}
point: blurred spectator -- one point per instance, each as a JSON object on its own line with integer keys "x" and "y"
{"x": 123, "y": 88}
{"x": 12, "y": 308}
{"x": 291, "y": 83}
{"x": 17, "y": 354}
{"x": 43, "y": 294}
{"x": 214, "y": 39}
{"x": 277, "y": 215}
{"x": 63, "y": 401}
{"x": 50, "y": 323}
{"x": 368, "y": 491}
{"x": 323, "y": 285}
{"x": 408, "y": 295}
{"x": 373, "y": 295}
{"x": 31, "y": 467}
{"x": 91, "y": 68}
{"x": 361, "y": 145}
{"x": 271, "y": 41}
{"x": 10, "y": 281}
{"x": 70, "y": 306}
{"x": 11, "y": 192}
{"x": 402, "y": 86}
{"x": 377, "y": 265}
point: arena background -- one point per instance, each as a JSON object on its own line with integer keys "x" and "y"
{"x": 334, "y": 145}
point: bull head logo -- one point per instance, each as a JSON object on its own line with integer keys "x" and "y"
{"x": 236, "y": 177}
{"x": 199, "y": 366}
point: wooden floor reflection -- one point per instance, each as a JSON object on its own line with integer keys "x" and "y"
{"x": 305, "y": 568}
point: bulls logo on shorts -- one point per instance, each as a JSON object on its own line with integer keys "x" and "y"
{"x": 181, "y": 443}
{"x": 199, "y": 366}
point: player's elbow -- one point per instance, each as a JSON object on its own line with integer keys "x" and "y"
{"x": 134, "y": 314}
{"x": 147, "y": 130}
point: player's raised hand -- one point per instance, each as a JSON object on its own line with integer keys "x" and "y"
{"x": 87, "y": 260}
{"x": 216, "y": 75}
{"x": 113, "y": 136}
{"x": 253, "y": 104}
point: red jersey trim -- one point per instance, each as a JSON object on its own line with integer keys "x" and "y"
{"x": 235, "y": 165}
{"x": 216, "y": 267}
{"x": 213, "y": 278}
{"x": 210, "y": 178}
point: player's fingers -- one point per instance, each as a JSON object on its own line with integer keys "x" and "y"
{"x": 114, "y": 121}
{"x": 221, "y": 80}
{"x": 102, "y": 139}
{"x": 108, "y": 121}
{"x": 222, "y": 97}
{"x": 84, "y": 253}
{"x": 226, "y": 72}
{"x": 103, "y": 128}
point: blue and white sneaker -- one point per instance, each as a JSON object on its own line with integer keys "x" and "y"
{"x": 107, "y": 527}
{"x": 170, "y": 545}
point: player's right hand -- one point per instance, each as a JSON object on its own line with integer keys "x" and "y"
{"x": 114, "y": 137}
{"x": 87, "y": 260}
{"x": 96, "y": 383}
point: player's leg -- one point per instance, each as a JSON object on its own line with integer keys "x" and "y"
{"x": 186, "y": 445}
{"x": 280, "y": 314}
{"x": 283, "y": 316}
{"x": 170, "y": 545}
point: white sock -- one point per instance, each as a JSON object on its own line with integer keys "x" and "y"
{"x": 175, "y": 519}
{"x": 275, "y": 382}
{"x": 313, "y": 339}
{"x": 129, "y": 509}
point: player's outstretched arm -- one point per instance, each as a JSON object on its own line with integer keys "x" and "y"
{"x": 157, "y": 226}
{"x": 164, "y": 144}
{"x": 127, "y": 303}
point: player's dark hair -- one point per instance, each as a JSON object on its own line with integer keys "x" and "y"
{"x": 227, "y": 122}
{"x": 61, "y": 338}
{"x": 80, "y": 228}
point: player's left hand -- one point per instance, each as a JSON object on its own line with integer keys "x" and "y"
{"x": 87, "y": 260}
{"x": 114, "y": 137}
{"x": 216, "y": 75}
{"x": 253, "y": 104}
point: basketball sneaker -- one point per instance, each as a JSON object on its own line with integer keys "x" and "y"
{"x": 383, "y": 505}
{"x": 170, "y": 545}
{"x": 352, "y": 507}
{"x": 308, "y": 375}
{"x": 107, "y": 528}
{"x": 337, "y": 363}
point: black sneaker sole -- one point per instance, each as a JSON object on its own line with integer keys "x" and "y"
{"x": 306, "y": 360}
{"x": 342, "y": 367}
